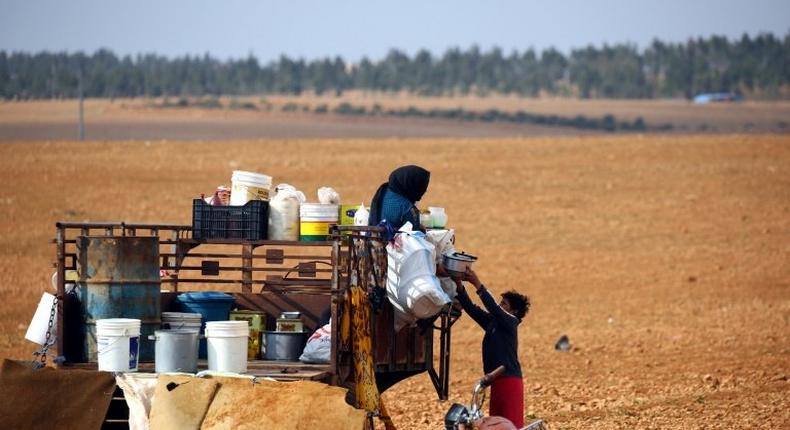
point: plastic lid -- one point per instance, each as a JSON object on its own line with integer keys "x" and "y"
{"x": 204, "y": 296}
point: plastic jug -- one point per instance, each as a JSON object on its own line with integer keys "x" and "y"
{"x": 438, "y": 217}
{"x": 361, "y": 216}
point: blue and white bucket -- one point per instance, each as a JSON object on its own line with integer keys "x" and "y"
{"x": 118, "y": 344}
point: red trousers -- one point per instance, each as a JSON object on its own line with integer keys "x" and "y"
{"x": 507, "y": 399}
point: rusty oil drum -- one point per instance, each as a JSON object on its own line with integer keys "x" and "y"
{"x": 119, "y": 278}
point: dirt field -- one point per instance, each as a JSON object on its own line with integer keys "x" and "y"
{"x": 665, "y": 259}
{"x": 685, "y": 116}
{"x": 138, "y": 120}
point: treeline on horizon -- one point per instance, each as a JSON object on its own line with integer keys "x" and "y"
{"x": 756, "y": 67}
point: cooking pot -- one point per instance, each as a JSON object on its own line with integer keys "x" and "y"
{"x": 283, "y": 345}
{"x": 457, "y": 262}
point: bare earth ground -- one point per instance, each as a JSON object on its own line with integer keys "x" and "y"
{"x": 745, "y": 116}
{"x": 138, "y": 119}
{"x": 665, "y": 259}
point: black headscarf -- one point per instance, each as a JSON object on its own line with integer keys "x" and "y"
{"x": 409, "y": 181}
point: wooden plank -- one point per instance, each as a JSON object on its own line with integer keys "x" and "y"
{"x": 246, "y": 271}
{"x": 273, "y": 366}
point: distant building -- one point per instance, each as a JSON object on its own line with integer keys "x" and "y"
{"x": 716, "y": 97}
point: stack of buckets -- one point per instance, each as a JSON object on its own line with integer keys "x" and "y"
{"x": 118, "y": 339}
{"x": 211, "y": 305}
{"x": 182, "y": 320}
{"x": 177, "y": 344}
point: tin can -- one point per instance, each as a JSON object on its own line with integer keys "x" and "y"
{"x": 289, "y": 325}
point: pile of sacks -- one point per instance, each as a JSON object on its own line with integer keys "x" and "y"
{"x": 413, "y": 288}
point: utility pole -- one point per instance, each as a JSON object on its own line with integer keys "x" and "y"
{"x": 82, "y": 116}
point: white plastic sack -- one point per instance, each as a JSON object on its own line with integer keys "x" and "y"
{"x": 319, "y": 346}
{"x": 284, "y": 213}
{"x": 443, "y": 241}
{"x": 449, "y": 287}
{"x": 412, "y": 285}
{"x": 138, "y": 390}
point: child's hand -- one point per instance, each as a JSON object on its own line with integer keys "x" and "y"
{"x": 472, "y": 278}
{"x": 459, "y": 285}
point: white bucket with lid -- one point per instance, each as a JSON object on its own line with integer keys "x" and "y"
{"x": 227, "y": 345}
{"x": 247, "y": 186}
{"x": 37, "y": 331}
{"x": 315, "y": 220}
{"x": 118, "y": 344}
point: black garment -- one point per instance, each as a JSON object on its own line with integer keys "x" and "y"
{"x": 408, "y": 181}
{"x": 500, "y": 343}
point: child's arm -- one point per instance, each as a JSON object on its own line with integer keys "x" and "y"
{"x": 480, "y": 316}
{"x": 503, "y": 318}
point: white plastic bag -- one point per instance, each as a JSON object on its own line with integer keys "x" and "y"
{"x": 319, "y": 346}
{"x": 361, "y": 216}
{"x": 328, "y": 196}
{"x": 443, "y": 241}
{"x": 412, "y": 286}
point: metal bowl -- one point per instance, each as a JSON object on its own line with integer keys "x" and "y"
{"x": 287, "y": 346}
{"x": 457, "y": 262}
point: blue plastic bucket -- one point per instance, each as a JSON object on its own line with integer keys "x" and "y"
{"x": 213, "y": 305}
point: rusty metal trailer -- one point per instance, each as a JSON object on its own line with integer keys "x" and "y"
{"x": 275, "y": 276}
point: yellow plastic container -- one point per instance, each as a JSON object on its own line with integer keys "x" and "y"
{"x": 257, "y": 322}
{"x": 347, "y": 213}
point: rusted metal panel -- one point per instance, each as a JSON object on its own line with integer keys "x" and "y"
{"x": 119, "y": 278}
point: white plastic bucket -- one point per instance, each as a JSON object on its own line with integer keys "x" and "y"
{"x": 247, "y": 186}
{"x": 227, "y": 345}
{"x": 118, "y": 344}
{"x": 315, "y": 220}
{"x": 37, "y": 331}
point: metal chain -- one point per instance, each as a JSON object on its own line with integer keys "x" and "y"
{"x": 41, "y": 355}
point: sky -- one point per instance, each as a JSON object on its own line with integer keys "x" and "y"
{"x": 353, "y": 29}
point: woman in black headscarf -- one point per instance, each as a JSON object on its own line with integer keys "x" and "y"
{"x": 395, "y": 200}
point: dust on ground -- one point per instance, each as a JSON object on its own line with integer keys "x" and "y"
{"x": 666, "y": 260}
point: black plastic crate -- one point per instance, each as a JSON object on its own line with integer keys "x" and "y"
{"x": 250, "y": 222}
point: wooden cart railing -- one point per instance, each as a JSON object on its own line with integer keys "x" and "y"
{"x": 273, "y": 276}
